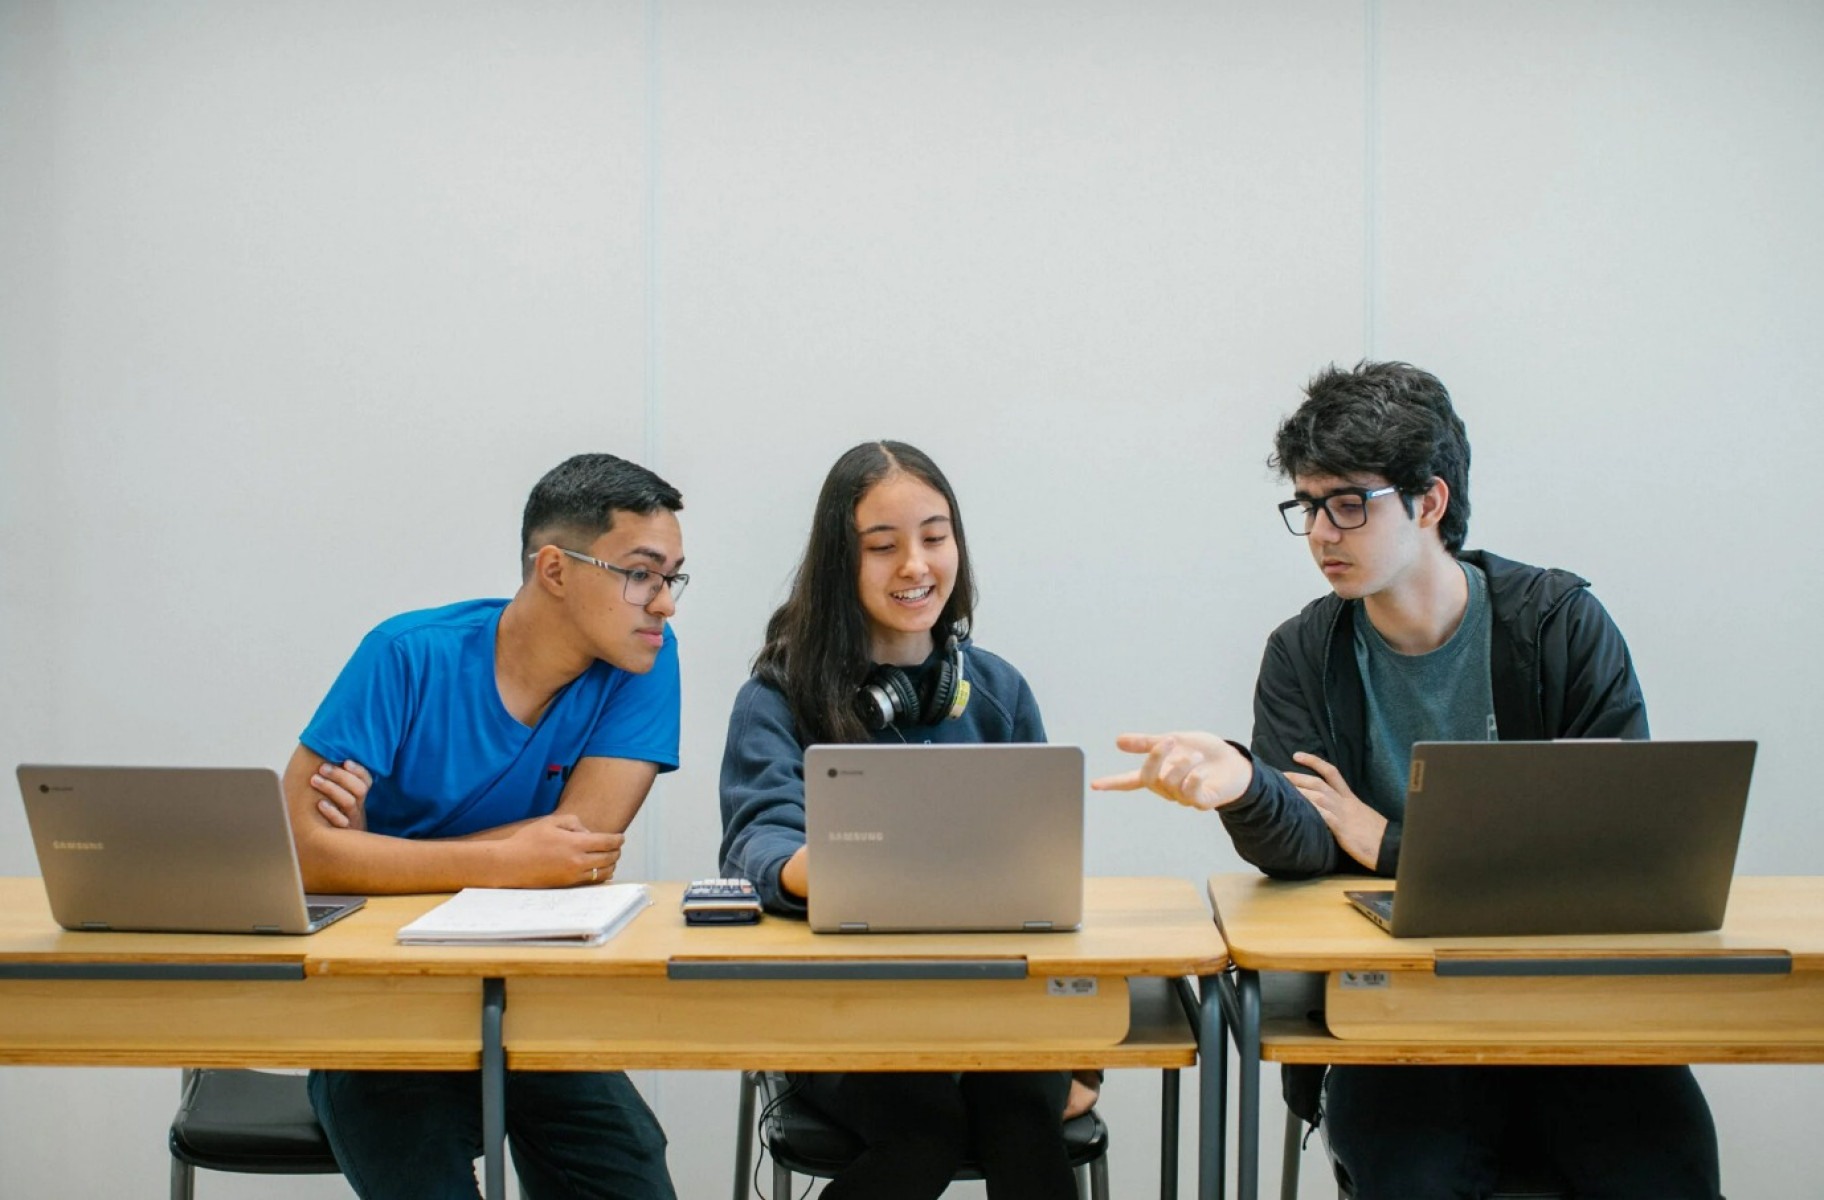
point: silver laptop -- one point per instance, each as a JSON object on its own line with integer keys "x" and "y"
{"x": 944, "y": 838}
{"x": 171, "y": 849}
{"x": 1566, "y": 837}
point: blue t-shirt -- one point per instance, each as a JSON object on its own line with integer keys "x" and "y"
{"x": 418, "y": 706}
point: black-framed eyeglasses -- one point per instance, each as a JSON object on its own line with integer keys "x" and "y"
{"x": 1347, "y": 508}
{"x": 639, "y": 585}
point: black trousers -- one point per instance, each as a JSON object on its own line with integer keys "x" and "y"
{"x": 1615, "y": 1133}
{"x": 919, "y": 1128}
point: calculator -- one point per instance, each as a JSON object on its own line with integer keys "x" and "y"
{"x": 720, "y": 902}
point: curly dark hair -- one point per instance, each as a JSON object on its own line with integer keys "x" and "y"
{"x": 1381, "y": 418}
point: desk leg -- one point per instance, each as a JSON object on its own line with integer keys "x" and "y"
{"x": 1168, "y": 1135}
{"x": 493, "y": 1090}
{"x": 744, "y": 1145}
{"x": 1247, "y": 1046}
{"x": 1289, "y": 1151}
{"x": 1213, "y": 1091}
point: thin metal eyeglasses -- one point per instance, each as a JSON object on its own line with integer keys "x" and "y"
{"x": 639, "y": 585}
{"x": 1347, "y": 508}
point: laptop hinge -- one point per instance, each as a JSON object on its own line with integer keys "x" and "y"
{"x": 854, "y": 926}
{"x": 101, "y": 925}
{"x": 1040, "y": 925}
{"x": 266, "y": 929}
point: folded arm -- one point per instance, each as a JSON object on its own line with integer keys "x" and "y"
{"x": 1273, "y": 825}
{"x": 560, "y": 850}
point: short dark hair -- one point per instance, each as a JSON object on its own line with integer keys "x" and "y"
{"x": 576, "y": 501}
{"x": 1381, "y": 418}
{"x": 817, "y": 649}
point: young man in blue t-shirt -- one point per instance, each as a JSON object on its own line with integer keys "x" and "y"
{"x": 503, "y": 743}
{"x": 1421, "y": 640}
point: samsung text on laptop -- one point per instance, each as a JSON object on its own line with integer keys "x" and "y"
{"x": 944, "y": 838}
{"x": 1514, "y": 838}
{"x": 170, "y": 849}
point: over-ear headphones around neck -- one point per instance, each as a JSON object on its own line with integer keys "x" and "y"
{"x": 888, "y": 695}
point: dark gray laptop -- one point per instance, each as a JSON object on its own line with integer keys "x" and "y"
{"x": 944, "y": 838}
{"x": 170, "y": 849}
{"x": 1566, "y": 837}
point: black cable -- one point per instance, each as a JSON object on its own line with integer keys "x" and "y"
{"x": 772, "y": 1106}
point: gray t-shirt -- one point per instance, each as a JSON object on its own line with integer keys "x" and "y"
{"x": 1444, "y": 695}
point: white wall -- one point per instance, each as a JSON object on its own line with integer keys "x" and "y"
{"x": 297, "y": 300}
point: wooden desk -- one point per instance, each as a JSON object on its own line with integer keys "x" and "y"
{"x": 203, "y": 1000}
{"x": 659, "y": 995}
{"x": 1750, "y": 992}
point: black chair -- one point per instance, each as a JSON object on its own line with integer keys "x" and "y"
{"x": 251, "y": 1122}
{"x": 802, "y": 1141}
{"x": 1520, "y": 1179}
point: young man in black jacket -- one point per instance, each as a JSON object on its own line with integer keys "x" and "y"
{"x": 1419, "y": 640}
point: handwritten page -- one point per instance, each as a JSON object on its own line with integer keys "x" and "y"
{"x": 583, "y": 916}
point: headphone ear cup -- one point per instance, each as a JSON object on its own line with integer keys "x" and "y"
{"x": 886, "y": 696}
{"x": 903, "y": 695}
{"x": 939, "y": 693}
{"x": 946, "y": 692}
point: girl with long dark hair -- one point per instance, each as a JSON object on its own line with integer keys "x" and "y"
{"x": 868, "y": 647}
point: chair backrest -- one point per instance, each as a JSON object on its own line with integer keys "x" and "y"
{"x": 250, "y": 1122}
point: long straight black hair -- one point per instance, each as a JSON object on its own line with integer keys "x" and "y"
{"x": 817, "y": 643}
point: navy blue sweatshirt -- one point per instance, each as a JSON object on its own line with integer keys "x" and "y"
{"x": 763, "y": 764}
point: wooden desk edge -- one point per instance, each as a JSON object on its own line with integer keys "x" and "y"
{"x": 1364, "y": 947}
{"x": 1293, "y": 1040}
{"x": 460, "y": 1058}
{"x": 364, "y": 944}
{"x": 1159, "y": 1036}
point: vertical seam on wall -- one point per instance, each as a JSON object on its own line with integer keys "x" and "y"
{"x": 1371, "y": 174}
{"x": 654, "y": 442}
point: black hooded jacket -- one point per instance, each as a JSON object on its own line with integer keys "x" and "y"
{"x": 1559, "y": 667}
